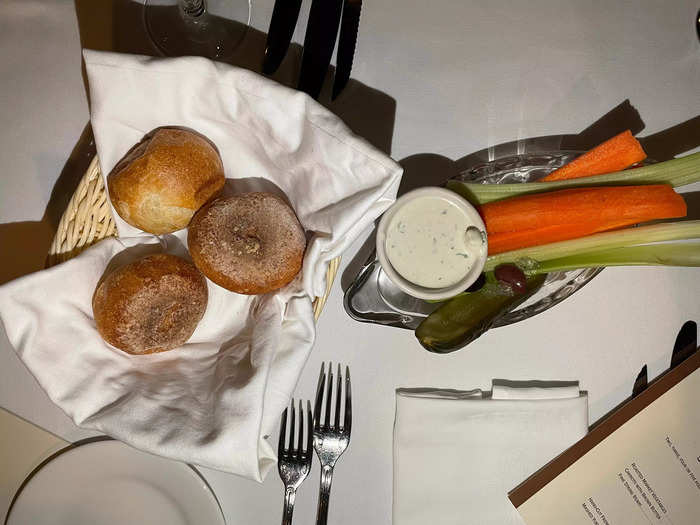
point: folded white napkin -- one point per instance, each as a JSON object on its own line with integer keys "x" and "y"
{"x": 457, "y": 454}
{"x": 213, "y": 401}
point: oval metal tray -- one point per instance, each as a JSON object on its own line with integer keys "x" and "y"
{"x": 373, "y": 298}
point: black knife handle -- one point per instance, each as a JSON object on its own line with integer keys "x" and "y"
{"x": 282, "y": 24}
{"x": 641, "y": 382}
{"x": 321, "y": 33}
{"x": 686, "y": 343}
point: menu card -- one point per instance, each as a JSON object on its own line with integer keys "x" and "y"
{"x": 639, "y": 465}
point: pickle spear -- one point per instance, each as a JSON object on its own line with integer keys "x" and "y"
{"x": 465, "y": 317}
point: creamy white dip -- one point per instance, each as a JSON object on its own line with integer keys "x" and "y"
{"x": 432, "y": 242}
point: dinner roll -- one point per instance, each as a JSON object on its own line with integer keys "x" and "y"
{"x": 250, "y": 243}
{"x": 161, "y": 182}
{"x": 150, "y": 305}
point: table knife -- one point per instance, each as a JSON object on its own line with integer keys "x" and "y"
{"x": 321, "y": 33}
{"x": 641, "y": 382}
{"x": 686, "y": 343}
{"x": 282, "y": 24}
{"x": 349, "y": 25}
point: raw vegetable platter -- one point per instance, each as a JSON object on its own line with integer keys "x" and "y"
{"x": 557, "y": 269}
{"x": 373, "y": 298}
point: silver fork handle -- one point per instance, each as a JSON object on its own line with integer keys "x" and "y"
{"x": 324, "y": 494}
{"x": 290, "y": 495}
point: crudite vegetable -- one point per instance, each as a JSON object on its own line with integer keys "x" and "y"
{"x": 674, "y": 172}
{"x": 543, "y": 218}
{"x": 462, "y": 319}
{"x": 615, "y": 154}
{"x": 646, "y": 245}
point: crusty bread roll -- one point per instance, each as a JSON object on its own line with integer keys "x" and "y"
{"x": 250, "y": 243}
{"x": 162, "y": 181}
{"x": 150, "y": 305}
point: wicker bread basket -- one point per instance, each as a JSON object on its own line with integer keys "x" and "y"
{"x": 88, "y": 219}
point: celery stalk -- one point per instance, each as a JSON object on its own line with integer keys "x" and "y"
{"x": 665, "y": 254}
{"x": 598, "y": 242}
{"x": 675, "y": 172}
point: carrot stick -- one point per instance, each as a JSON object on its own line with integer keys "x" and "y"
{"x": 629, "y": 204}
{"x": 506, "y": 241}
{"x": 614, "y": 154}
{"x": 532, "y": 220}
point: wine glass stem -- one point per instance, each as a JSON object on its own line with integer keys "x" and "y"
{"x": 193, "y": 8}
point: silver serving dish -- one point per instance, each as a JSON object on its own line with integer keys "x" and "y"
{"x": 373, "y": 298}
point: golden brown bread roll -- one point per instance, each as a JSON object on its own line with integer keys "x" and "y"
{"x": 250, "y": 243}
{"x": 162, "y": 181}
{"x": 150, "y": 305}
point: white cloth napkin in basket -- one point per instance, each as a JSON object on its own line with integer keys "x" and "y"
{"x": 213, "y": 401}
{"x": 457, "y": 454}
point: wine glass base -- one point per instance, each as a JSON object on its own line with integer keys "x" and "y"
{"x": 215, "y": 33}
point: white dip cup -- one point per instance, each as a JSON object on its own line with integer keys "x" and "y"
{"x": 476, "y": 262}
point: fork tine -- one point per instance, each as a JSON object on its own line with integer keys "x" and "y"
{"x": 310, "y": 435}
{"x": 300, "y": 436}
{"x": 295, "y": 461}
{"x": 283, "y": 431}
{"x": 319, "y": 398}
{"x": 338, "y": 394}
{"x": 291, "y": 428}
{"x": 347, "y": 423}
{"x": 329, "y": 398}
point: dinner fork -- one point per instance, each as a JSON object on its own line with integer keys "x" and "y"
{"x": 330, "y": 437}
{"x": 294, "y": 461}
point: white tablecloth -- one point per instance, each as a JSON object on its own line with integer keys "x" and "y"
{"x": 464, "y": 75}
